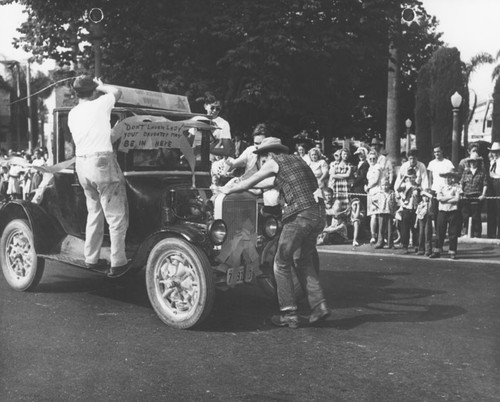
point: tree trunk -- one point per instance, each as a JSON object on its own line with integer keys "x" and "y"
{"x": 392, "y": 139}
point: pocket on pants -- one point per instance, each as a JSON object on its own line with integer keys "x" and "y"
{"x": 102, "y": 162}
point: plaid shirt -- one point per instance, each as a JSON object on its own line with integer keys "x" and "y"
{"x": 473, "y": 183}
{"x": 296, "y": 182}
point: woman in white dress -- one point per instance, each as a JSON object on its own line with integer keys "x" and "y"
{"x": 318, "y": 166}
{"x": 372, "y": 188}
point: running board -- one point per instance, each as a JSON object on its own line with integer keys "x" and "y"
{"x": 75, "y": 262}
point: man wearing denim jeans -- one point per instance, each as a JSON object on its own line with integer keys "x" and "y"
{"x": 303, "y": 220}
{"x": 98, "y": 172}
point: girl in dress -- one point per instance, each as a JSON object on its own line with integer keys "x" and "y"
{"x": 339, "y": 175}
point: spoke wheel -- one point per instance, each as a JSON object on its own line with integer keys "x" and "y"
{"x": 179, "y": 282}
{"x": 20, "y": 265}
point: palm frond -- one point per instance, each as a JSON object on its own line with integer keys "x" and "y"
{"x": 495, "y": 73}
{"x": 478, "y": 60}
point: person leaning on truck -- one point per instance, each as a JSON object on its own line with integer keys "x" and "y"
{"x": 98, "y": 172}
{"x": 303, "y": 221}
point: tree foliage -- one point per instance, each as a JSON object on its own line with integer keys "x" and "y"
{"x": 438, "y": 80}
{"x": 302, "y": 63}
{"x": 495, "y": 129}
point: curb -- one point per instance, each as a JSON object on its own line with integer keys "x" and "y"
{"x": 471, "y": 240}
{"x": 443, "y": 258}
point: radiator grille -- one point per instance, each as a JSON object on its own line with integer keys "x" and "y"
{"x": 239, "y": 211}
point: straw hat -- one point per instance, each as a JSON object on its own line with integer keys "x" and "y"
{"x": 271, "y": 144}
{"x": 495, "y": 147}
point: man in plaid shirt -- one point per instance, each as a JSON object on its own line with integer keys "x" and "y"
{"x": 303, "y": 220}
{"x": 474, "y": 186}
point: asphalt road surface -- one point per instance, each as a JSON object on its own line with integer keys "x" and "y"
{"x": 402, "y": 329}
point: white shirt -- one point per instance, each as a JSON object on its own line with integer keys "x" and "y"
{"x": 89, "y": 123}
{"x": 250, "y": 158}
{"x": 436, "y": 167}
{"x": 224, "y": 131}
{"x": 421, "y": 170}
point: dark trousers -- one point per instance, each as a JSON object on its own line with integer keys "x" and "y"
{"x": 425, "y": 234}
{"x": 494, "y": 210}
{"x": 385, "y": 226}
{"x": 448, "y": 221}
{"x": 471, "y": 208}
{"x": 491, "y": 211}
{"x": 408, "y": 217}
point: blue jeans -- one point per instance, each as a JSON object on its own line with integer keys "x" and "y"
{"x": 425, "y": 234}
{"x": 299, "y": 233}
{"x": 448, "y": 220}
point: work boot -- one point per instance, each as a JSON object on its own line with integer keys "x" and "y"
{"x": 319, "y": 313}
{"x": 115, "y": 272}
{"x": 286, "y": 319}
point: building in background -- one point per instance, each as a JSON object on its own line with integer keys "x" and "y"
{"x": 482, "y": 122}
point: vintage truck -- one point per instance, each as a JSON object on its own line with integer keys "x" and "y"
{"x": 189, "y": 239}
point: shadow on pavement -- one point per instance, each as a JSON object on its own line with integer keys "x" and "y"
{"x": 369, "y": 298}
{"x": 358, "y": 297}
{"x": 130, "y": 289}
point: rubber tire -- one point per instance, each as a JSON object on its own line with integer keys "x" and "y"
{"x": 34, "y": 275}
{"x": 203, "y": 271}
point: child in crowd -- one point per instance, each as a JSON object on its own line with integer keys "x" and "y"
{"x": 336, "y": 230}
{"x": 356, "y": 217}
{"x": 409, "y": 192}
{"x": 387, "y": 208}
{"x": 424, "y": 223}
{"x": 448, "y": 216}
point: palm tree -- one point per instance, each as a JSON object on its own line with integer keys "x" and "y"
{"x": 469, "y": 68}
{"x": 496, "y": 71}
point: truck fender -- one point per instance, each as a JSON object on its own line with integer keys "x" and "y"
{"x": 46, "y": 232}
{"x": 186, "y": 231}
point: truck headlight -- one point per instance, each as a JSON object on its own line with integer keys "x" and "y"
{"x": 217, "y": 231}
{"x": 271, "y": 226}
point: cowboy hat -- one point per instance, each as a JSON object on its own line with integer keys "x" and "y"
{"x": 375, "y": 141}
{"x": 495, "y": 146}
{"x": 84, "y": 83}
{"x": 271, "y": 144}
{"x": 449, "y": 173}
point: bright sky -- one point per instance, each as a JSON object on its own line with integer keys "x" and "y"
{"x": 470, "y": 25}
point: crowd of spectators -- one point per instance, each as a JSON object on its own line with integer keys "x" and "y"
{"x": 19, "y": 177}
{"x": 413, "y": 207}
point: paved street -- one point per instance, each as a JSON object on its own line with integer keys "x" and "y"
{"x": 402, "y": 329}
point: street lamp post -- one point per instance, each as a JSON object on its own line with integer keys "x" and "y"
{"x": 408, "y": 136}
{"x": 95, "y": 16}
{"x": 456, "y": 101}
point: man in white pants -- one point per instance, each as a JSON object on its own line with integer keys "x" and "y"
{"x": 98, "y": 172}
